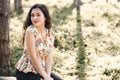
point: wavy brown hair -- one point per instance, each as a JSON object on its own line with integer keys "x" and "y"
{"x": 28, "y": 21}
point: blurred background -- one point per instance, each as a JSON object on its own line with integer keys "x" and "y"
{"x": 87, "y": 37}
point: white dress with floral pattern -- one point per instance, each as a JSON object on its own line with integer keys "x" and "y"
{"x": 43, "y": 47}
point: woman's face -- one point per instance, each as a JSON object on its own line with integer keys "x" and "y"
{"x": 37, "y": 17}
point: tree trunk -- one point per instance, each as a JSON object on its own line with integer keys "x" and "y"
{"x": 80, "y": 53}
{"x": 18, "y": 6}
{"x": 77, "y": 3}
{"x": 4, "y": 37}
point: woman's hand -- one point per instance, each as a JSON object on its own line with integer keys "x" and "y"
{"x": 48, "y": 78}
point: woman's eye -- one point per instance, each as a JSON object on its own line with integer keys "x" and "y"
{"x": 32, "y": 15}
{"x": 38, "y": 15}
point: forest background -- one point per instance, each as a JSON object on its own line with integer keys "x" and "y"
{"x": 87, "y": 41}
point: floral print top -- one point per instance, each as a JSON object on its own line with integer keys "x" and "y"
{"x": 42, "y": 47}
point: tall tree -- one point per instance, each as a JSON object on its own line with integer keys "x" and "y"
{"x": 80, "y": 53}
{"x": 18, "y": 6}
{"x": 77, "y": 3}
{"x": 4, "y": 36}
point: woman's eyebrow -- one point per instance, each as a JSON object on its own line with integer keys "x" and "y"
{"x": 36, "y": 13}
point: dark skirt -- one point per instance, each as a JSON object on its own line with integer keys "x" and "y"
{"x": 27, "y": 76}
{"x": 33, "y": 76}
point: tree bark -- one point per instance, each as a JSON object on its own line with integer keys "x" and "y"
{"x": 18, "y": 6}
{"x": 77, "y": 3}
{"x": 4, "y": 36}
{"x": 80, "y": 52}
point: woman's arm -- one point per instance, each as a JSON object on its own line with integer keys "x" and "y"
{"x": 48, "y": 63}
{"x": 49, "y": 57}
{"x": 30, "y": 42}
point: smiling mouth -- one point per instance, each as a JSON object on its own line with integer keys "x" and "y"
{"x": 35, "y": 21}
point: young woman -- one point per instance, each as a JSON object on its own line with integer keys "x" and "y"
{"x": 38, "y": 39}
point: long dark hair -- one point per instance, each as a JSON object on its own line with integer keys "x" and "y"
{"x": 28, "y": 21}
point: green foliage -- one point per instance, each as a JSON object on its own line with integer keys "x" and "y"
{"x": 64, "y": 41}
{"x": 15, "y": 56}
{"x": 63, "y": 14}
{"x": 13, "y": 13}
{"x": 115, "y": 73}
{"x": 107, "y": 72}
{"x": 89, "y": 23}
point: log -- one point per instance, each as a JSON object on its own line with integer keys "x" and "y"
{"x": 7, "y": 78}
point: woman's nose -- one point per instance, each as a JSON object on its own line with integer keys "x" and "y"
{"x": 35, "y": 17}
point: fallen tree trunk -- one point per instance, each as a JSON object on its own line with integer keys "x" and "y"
{"x": 7, "y": 78}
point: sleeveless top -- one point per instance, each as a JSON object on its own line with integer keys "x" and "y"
{"x": 41, "y": 47}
